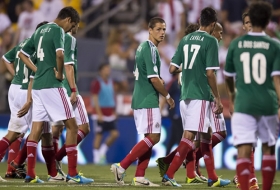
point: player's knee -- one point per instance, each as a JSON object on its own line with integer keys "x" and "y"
{"x": 85, "y": 128}
{"x": 268, "y": 150}
{"x": 115, "y": 134}
{"x": 155, "y": 138}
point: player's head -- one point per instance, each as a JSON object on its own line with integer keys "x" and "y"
{"x": 218, "y": 32}
{"x": 157, "y": 29}
{"x": 208, "y": 18}
{"x": 104, "y": 70}
{"x": 260, "y": 14}
{"x": 247, "y": 26}
{"x": 41, "y": 24}
{"x": 191, "y": 28}
{"x": 68, "y": 18}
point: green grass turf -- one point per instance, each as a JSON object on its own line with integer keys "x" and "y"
{"x": 104, "y": 179}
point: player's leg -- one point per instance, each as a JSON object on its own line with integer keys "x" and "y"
{"x": 268, "y": 130}
{"x": 98, "y": 135}
{"x": 148, "y": 122}
{"x": 57, "y": 128}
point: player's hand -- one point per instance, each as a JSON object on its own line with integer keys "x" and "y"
{"x": 231, "y": 108}
{"x": 100, "y": 118}
{"x": 171, "y": 103}
{"x": 58, "y": 76}
{"x": 24, "y": 110}
{"x": 73, "y": 98}
{"x": 218, "y": 106}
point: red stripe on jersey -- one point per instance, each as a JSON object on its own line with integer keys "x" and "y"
{"x": 65, "y": 103}
{"x": 81, "y": 112}
{"x": 202, "y": 116}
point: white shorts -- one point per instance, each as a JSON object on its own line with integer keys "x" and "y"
{"x": 147, "y": 120}
{"x": 217, "y": 122}
{"x": 12, "y": 93}
{"x": 16, "y": 124}
{"x": 246, "y": 128}
{"x": 80, "y": 111}
{"x": 195, "y": 115}
{"x": 51, "y": 104}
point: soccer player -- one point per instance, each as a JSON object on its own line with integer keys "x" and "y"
{"x": 198, "y": 54}
{"x": 104, "y": 115}
{"x": 70, "y": 65}
{"x": 145, "y": 103}
{"x": 247, "y": 26}
{"x": 251, "y": 58}
{"x": 50, "y": 101}
{"x": 17, "y": 97}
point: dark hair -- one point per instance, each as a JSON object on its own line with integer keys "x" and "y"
{"x": 69, "y": 12}
{"x": 244, "y": 16}
{"x": 207, "y": 16}
{"x": 260, "y": 13}
{"x": 102, "y": 65}
{"x": 41, "y": 24}
{"x": 154, "y": 21}
{"x": 191, "y": 28}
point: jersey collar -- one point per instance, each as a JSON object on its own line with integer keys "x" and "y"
{"x": 257, "y": 33}
{"x": 151, "y": 42}
{"x": 200, "y": 31}
{"x": 52, "y": 23}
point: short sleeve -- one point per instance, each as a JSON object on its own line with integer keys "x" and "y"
{"x": 69, "y": 48}
{"x": 276, "y": 62}
{"x": 229, "y": 67}
{"x": 212, "y": 55}
{"x": 150, "y": 59}
{"x": 33, "y": 58}
{"x": 177, "y": 58}
{"x": 29, "y": 48}
{"x": 10, "y": 56}
{"x": 58, "y": 39}
{"x": 95, "y": 87}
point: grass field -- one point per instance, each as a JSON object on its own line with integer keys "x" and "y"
{"x": 103, "y": 179}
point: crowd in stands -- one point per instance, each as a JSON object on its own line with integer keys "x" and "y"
{"x": 126, "y": 30}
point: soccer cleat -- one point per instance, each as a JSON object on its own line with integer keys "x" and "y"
{"x": 143, "y": 182}
{"x": 235, "y": 180}
{"x": 218, "y": 183}
{"x": 19, "y": 170}
{"x": 115, "y": 169}
{"x": 3, "y": 180}
{"x": 254, "y": 184}
{"x": 197, "y": 179}
{"x": 79, "y": 178}
{"x": 169, "y": 182}
{"x": 204, "y": 179}
{"x": 13, "y": 175}
{"x": 57, "y": 178}
{"x": 59, "y": 168}
{"x": 162, "y": 166}
{"x": 28, "y": 179}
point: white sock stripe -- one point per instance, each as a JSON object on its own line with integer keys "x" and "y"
{"x": 47, "y": 149}
{"x": 219, "y": 136}
{"x": 269, "y": 157}
{"x": 19, "y": 139}
{"x": 243, "y": 160}
{"x": 206, "y": 141}
{"x": 32, "y": 144}
{"x": 69, "y": 149}
{"x": 81, "y": 134}
{"x": 148, "y": 142}
{"x": 6, "y": 141}
{"x": 188, "y": 142}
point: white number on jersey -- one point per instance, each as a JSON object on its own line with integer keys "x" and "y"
{"x": 17, "y": 68}
{"x": 25, "y": 73}
{"x": 258, "y": 67}
{"x": 40, "y": 52}
{"x": 136, "y": 73}
{"x": 194, "y": 48}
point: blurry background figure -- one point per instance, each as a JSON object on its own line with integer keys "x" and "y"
{"x": 27, "y": 22}
{"x": 271, "y": 31}
{"x": 143, "y": 34}
{"x": 173, "y": 12}
{"x": 118, "y": 56}
{"x": 104, "y": 116}
{"x": 50, "y": 8}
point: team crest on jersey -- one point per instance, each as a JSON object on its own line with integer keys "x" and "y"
{"x": 155, "y": 69}
{"x": 157, "y": 125}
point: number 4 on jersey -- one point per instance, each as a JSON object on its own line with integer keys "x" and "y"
{"x": 40, "y": 52}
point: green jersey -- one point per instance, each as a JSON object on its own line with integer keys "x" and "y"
{"x": 147, "y": 65}
{"x": 27, "y": 72}
{"x": 254, "y": 59}
{"x": 197, "y": 52}
{"x": 48, "y": 39}
{"x": 70, "y": 57}
{"x": 12, "y": 57}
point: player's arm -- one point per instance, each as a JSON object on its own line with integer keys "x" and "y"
{"x": 59, "y": 64}
{"x": 95, "y": 90}
{"x": 27, "y": 50}
{"x": 9, "y": 58}
{"x": 276, "y": 80}
{"x": 175, "y": 65}
{"x": 27, "y": 61}
{"x": 24, "y": 110}
{"x": 58, "y": 41}
{"x": 276, "y": 77}
{"x": 9, "y": 66}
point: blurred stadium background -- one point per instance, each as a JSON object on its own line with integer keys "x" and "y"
{"x": 108, "y": 25}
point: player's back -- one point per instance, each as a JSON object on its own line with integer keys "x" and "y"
{"x": 254, "y": 59}
{"x": 199, "y": 52}
{"x": 48, "y": 39}
{"x": 147, "y": 65}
